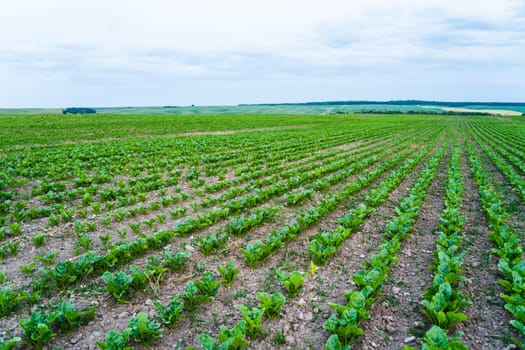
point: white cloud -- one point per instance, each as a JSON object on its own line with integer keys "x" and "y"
{"x": 253, "y": 49}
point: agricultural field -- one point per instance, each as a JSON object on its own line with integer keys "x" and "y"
{"x": 262, "y": 232}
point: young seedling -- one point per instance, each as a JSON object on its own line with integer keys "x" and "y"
{"x": 234, "y": 339}
{"x": 210, "y": 243}
{"x": 80, "y": 227}
{"x": 39, "y": 240}
{"x": 122, "y": 233}
{"x": 170, "y": 314}
{"x": 38, "y": 328}
{"x": 143, "y": 329}
{"x": 150, "y": 223}
{"x": 69, "y": 318}
{"x": 208, "y": 286}
{"x": 139, "y": 278}
{"x": 253, "y": 318}
{"x": 13, "y": 247}
{"x": 96, "y": 208}
{"x": 192, "y": 298}
{"x": 271, "y": 303}
{"x": 118, "y": 285}
{"x": 228, "y": 273}
{"x": 293, "y": 282}
{"x": 82, "y": 213}
{"x": 105, "y": 239}
{"x": 175, "y": 262}
{"x": 16, "y": 229}
{"x": 91, "y": 226}
{"x": 161, "y": 218}
{"x": 47, "y": 259}
{"x": 106, "y": 221}
{"x": 135, "y": 227}
{"x": 67, "y": 215}
{"x": 116, "y": 340}
{"x": 28, "y": 268}
{"x": 85, "y": 241}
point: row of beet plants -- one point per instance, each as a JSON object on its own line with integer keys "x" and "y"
{"x": 157, "y": 265}
{"x": 119, "y": 158}
{"x": 258, "y": 196}
{"x": 278, "y": 166}
{"x": 515, "y": 179}
{"x": 45, "y": 323}
{"x": 509, "y": 248}
{"x": 63, "y": 317}
{"x": 87, "y": 187}
{"x": 344, "y": 324}
{"x": 443, "y": 300}
{"x": 199, "y": 292}
{"x": 506, "y": 149}
{"x": 121, "y": 252}
{"x": 512, "y": 135}
{"x": 82, "y": 227}
{"x": 66, "y": 274}
{"x": 191, "y": 223}
{"x": 232, "y": 193}
{"x": 55, "y": 214}
{"x": 153, "y": 162}
{"x": 255, "y": 253}
{"x": 196, "y": 293}
{"x": 293, "y": 177}
{"x": 250, "y": 327}
{"x": 143, "y": 329}
{"x": 256, "y": 186}
{"x": 324, "y": 245}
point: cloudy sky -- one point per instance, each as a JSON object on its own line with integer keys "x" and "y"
{"x": 57, "y": 53}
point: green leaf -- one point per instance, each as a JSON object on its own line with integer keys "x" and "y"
{"x": 207, "y": 342}
{"x": 271, "y": 303}
{"x": 436, "y": 336}
{"x": 207, "y": 285}
{"x": 39, "y": 328}
{"x": 116, "y": 340}
{"x": 228, "y": 273}
{"x": 345, "y": 326}
{"x": 292, "y": 282}
{"x": 143, "y": 329}
{"x": 191, "y": 297}
{"x": 11, "y": 343}
{"x": 118, "y": 285}
{"x": 333, "y": 343}
{"x": 171, "y": 314}
{"x": 253, "y": 318}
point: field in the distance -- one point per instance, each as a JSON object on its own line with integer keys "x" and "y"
{"x": 135, "y": 220}
{"x": 307, "y": 108}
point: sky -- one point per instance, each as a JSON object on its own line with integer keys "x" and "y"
{"x": 59, "y": 53}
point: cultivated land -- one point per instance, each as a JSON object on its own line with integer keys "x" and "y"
{"x": 313, "y": 108}
{"x": 262, "y": 231}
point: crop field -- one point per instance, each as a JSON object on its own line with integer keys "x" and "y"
{"x": 262, "y": 232}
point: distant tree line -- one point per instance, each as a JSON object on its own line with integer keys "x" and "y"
{"x": 413, "y": 112}
{"x": 79, "y": 110}
{"x": 395, "y": 103}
